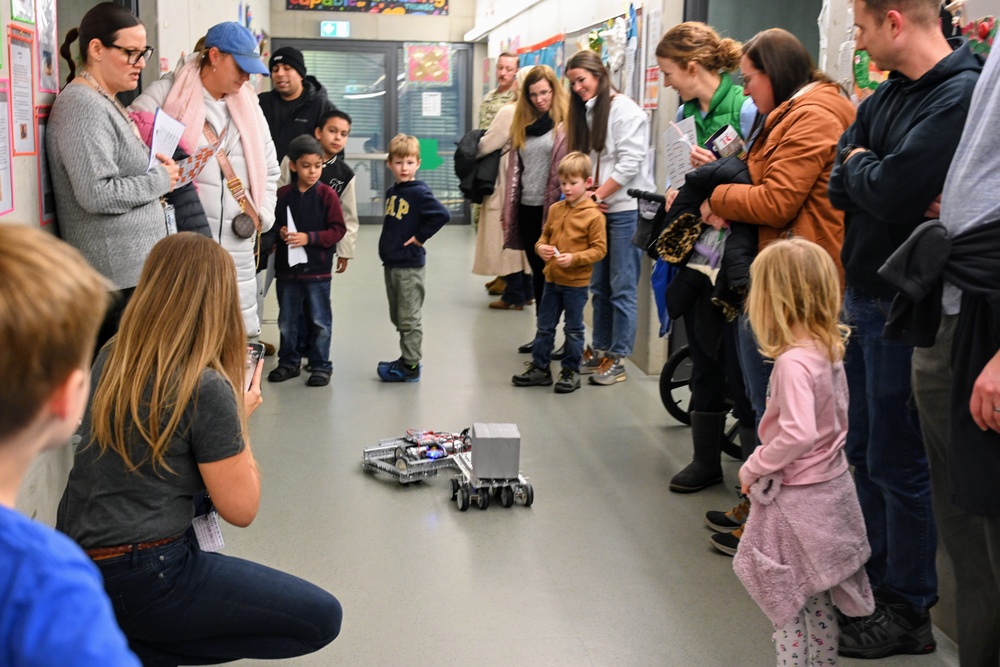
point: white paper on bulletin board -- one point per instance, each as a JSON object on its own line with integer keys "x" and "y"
{"x": 6, "y": 179}
{"x": 431, "y": 103}
{"x": 22, "y": 93}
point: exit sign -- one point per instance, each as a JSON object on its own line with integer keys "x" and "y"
{"x": 334, "y": 28}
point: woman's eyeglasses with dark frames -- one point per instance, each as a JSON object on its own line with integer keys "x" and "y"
{"x": 134, "y": 55}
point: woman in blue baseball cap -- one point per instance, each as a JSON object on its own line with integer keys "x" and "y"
{"x": 210, "y": 93}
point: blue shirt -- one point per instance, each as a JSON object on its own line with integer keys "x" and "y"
{"x": 53, "y": 608}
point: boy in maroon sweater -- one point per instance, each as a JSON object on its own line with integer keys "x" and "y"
{"x": 308, "y": 222}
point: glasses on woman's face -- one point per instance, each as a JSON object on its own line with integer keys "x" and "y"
{"x": 744, "y": 78}
{"x": 135, "y": 55}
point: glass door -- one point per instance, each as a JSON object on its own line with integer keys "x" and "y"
{"x": 377, "y": 84}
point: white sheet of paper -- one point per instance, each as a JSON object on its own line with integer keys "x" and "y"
{"x": 167, "y": 133}
{"x": 296, "y": 256}
{"x": 677, "y": 152}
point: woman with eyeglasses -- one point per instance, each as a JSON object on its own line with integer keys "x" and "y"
{"x": 210, "y": 93}
{"x": 107, "y": 204}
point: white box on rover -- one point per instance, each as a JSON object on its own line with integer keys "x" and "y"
{"x": 496, "y": 451}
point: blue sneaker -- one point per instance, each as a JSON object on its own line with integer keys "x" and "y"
{"x": 397, "y": 371}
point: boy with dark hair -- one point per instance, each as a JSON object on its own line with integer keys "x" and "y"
{"x": 309, "y": 222}
{"x": 412, "y": 215}
{"x": 571, "y": 241}
{"x": 331, "y": 132}
{"x": 54, "y": 610}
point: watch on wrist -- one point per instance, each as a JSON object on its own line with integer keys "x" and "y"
{"x": 846, "y": 151}
{"x": 597, "y": 200}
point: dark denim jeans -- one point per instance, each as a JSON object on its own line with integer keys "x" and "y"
{"x": 181, "y": 606}
{"x": 313, "y": 299}
{"x": 890, "y": 464}
{"x": 557, "y": 299}
{"x": 614, "y": 284}
{"x": 756, "y": 369}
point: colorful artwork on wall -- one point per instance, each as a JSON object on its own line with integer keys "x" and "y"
{"x": 429, "y": 7}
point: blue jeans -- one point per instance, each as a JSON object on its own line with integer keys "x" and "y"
{"x": 890, "y": 464}
{"x": 756, "y": 369}
{"x": 312, "y": 299}
{"x": 179, "y": 605}
{"x": 557, "y": 299}
{"x": 614, "y": 285}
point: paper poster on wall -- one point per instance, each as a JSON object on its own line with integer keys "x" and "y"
{"x": 428, "y": 64}
{"x": 431, "y": 104}
{"x": 46, "y": 198}
{"x": 48, "y": 52}
{"x": 22, "y": 91}
{"x": 22, "y": 11}
{"x": 6, "y": 178}
{"x": 550, "y": 52}
{"x": 651, "y": 89}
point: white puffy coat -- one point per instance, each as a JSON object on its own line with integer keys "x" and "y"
{"x": 219, "y": 204}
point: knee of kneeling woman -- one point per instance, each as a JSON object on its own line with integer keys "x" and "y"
{"x": 328, "y": 623}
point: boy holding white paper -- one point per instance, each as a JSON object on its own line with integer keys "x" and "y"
{"x": 309, "y": 223}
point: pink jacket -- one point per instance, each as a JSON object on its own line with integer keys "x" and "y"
{"x": 802, "y": 540}
{"x": 512, "y": 189}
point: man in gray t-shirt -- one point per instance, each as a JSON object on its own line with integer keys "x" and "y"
{"x": 971, "y": 198}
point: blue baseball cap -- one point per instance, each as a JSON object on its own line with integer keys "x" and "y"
{"x": 237, "y": 41}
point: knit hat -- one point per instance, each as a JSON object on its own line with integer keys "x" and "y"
{"x": 290, "y": 56}
{"x": 237, "y": 41}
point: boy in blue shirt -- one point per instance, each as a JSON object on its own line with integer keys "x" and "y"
{"x": 309, "y": 221}
{"x": 53, "y": 608}
{"x": 412, "y": 215}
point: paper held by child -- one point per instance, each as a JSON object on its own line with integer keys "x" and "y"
{"x": 296, "y": 255}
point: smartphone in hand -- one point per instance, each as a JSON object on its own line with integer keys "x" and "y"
{"x": 255, "y": 352}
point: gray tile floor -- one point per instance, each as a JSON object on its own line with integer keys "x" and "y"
{"x": 607, "y": 568}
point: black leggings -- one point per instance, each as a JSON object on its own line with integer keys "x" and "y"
{"x": 529, "y": 227}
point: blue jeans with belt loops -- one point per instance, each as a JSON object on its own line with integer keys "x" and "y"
{"x": 179, "y": 605}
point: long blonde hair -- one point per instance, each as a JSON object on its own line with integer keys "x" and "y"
{"x": 525, "y": 112}
{"x": 183, "y": 318}
{"x": 795, "y": 282}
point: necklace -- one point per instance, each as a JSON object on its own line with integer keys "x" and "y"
{"x": 84, "y": 74}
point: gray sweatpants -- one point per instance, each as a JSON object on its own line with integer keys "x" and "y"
{"x": 405, "y": 289}
{"x": 972, "y": 541}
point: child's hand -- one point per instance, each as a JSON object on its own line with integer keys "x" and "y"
{"x": 546, "y": 252}
{"x": 413, "y": 241}
{"x": 296, "y": 239}
{"x": 565, "y": 259}
{"x": 342, "y": 264}
{"x": 283, "y": 233}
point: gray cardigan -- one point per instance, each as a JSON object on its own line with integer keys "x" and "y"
{"x": 107, "y": 205}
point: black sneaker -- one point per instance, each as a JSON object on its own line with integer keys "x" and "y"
{"x": 727, "y": 543}
{"x": 727, "y": 522}
{"x": 282, "y": 373}
{"x": 895, "y": 628}
{"x": 533, "y": 376}
{"x": 568, "y": 382}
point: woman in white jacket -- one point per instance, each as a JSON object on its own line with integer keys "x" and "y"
{"x": 614, "y": 131}
{"x": 210, "y": 87}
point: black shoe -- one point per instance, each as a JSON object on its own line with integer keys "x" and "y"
{"x": 695, "y": 477}
{"x": 895, "y": 628}
{"x": 533, "y": 376}
{"x": 726, "y": 522}
{"x": 727, "y": 543}
{"x": 319, "y": 379}
{"x": 282, "y": 373}
{"x": 560, "y": 353}
{"x": 526, "y": 348}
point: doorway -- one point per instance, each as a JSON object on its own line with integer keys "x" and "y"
{"x": 389, "y": 88}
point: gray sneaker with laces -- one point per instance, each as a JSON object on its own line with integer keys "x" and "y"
{"x": 568, "y": 382}
{"x": 609, "y": 372}
{"x": 533, "y": 376}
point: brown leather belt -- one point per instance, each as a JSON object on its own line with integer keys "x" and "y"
{"x": 103, "y": 553}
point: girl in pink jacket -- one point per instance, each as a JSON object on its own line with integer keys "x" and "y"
{"x": 804, "y": 546}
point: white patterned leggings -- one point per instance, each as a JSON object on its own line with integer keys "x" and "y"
{"x": 811, "y": 638}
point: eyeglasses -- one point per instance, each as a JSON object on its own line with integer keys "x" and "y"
{"x": 134, "y": 55}
{"x": 744, "y": 79}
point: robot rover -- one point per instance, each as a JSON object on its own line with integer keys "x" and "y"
{"x": 417, "y": 455}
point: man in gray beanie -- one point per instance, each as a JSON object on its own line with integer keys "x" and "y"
{"x": 297, "y": 101}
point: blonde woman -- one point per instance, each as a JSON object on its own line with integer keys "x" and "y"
{"x": 166, "y": 425}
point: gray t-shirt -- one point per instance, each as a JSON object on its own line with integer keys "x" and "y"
{"x": 106, "y": 505}
{"x": 969, "y": 198}
{"x": 536, "y": 156}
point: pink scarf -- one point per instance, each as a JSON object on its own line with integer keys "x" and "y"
{"x": 185, "y": 103}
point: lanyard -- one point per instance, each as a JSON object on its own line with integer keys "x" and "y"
{"x": 84, "y": 74}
